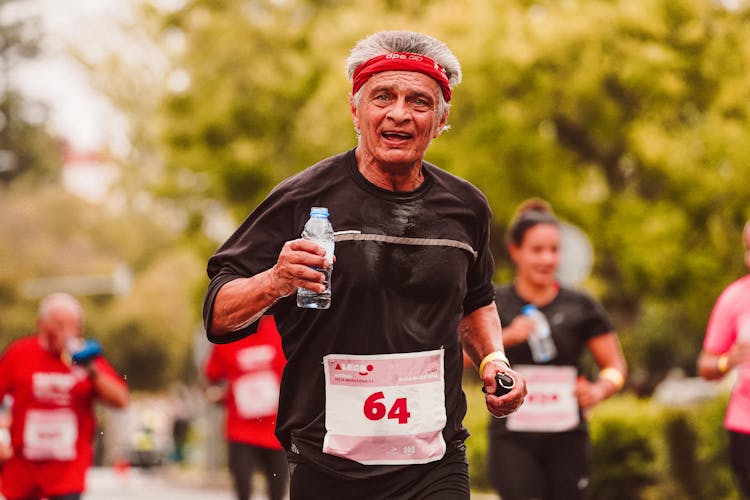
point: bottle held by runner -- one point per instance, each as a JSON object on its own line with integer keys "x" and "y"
{"x": 542, "y": 345}
{"x": 83, "y": 351}
{"x": 318, "y": 229}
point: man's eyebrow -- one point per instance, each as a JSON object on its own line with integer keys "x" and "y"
{"x": 382, "y": 87}
{"x": 390, "y": 88}
{"x": 427, "y": 95}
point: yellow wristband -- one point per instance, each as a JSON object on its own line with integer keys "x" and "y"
{"x": 722, "y": 364}
{"x": 614, "y": 376}
{"x": 492, "y": 357}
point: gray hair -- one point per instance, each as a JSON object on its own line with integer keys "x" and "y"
{"x": 60, "y": 300}
{"x": 385, "y": 42}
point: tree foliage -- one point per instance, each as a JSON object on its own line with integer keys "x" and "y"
{"x": 26, "y": 147}
{"x": 627, "y": 115}
{"x": 253, "y": 96}
{"x": 147, "y": 332}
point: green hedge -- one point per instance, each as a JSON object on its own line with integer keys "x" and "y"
{"x": 642, "y": 449}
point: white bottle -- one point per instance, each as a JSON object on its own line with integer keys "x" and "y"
{"x": 318, "y": 229}
{"x": 542, "y": 345}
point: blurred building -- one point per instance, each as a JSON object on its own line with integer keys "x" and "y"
{"x": 88, "y": 174}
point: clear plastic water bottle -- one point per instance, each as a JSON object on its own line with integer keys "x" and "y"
{"x": 542, "y": 345}
{"x": 318, "y": 229}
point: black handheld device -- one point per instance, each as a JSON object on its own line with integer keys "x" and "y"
{"x": 504, "y": 383}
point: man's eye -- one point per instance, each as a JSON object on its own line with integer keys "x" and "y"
{"x": 422, "y": 104}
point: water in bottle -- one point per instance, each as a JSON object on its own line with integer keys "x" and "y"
{"x": 542, "y": 345}
{"x": 318, "y": 229}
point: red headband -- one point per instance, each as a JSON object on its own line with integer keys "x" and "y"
{"x": 401, "y": 61}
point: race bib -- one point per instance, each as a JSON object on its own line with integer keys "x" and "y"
{"x": 386, "y": 409}
{"x": 550, "y": 404}
{"x": 256, "y": 394}
{"x": 743, "y": 327}
{"x": 50, "y": 434}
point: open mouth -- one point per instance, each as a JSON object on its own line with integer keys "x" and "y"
{"x": 396, "y": 136}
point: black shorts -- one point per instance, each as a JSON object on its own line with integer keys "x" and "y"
{"x": 550, "y": 466}
{"x": 445, "y": 479}
{"x": 739, "y": 456}
{"x": 245, "y": 459}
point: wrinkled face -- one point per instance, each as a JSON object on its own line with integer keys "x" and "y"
{"x": 538, "y": 255}
{"x": 59, "y": 324}
{"x": 397, "y": 116}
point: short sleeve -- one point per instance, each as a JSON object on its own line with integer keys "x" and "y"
{"x": 721, "y": 332}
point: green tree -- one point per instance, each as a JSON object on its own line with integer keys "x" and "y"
{"x": 243, "y": 123}
{"x": 25, "y": 145}
{"x": 627, "y": 115}
{"x": 146, "y": 332}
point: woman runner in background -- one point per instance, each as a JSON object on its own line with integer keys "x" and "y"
{"x": 543, "y": 451}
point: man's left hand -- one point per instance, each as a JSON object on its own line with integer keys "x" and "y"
{"x": 502, "y": 406}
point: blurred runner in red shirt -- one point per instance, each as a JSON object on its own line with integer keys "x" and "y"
{"x": 52, "y": 418}
{"x": 252, "y": 369}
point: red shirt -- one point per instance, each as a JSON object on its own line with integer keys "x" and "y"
{"x": 252, "y": 367}
{"x": 53, "y": 424}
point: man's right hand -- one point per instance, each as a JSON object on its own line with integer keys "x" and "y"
{"x": 243, "y": 301}
{"x": 295, "y": 268}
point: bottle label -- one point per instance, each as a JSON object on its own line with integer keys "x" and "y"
{"x": 550, "y": 405}
{"x": 329, "y": 247}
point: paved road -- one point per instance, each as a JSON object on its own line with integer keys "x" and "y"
{"x": 157, "y": 484}
{"x": 162, "y": 484}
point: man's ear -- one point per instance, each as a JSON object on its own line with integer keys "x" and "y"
{"x": 353, "y": 110}
{"x": 441, "y": 125}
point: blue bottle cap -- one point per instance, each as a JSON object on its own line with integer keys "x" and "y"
{"x": 89, "y": 351}
{"x": 319, "y": 212}
{"x": 528, "y": 308}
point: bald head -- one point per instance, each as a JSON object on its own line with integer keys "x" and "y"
{"x": 60, "y": 319}
{"x": 57, "y": 301}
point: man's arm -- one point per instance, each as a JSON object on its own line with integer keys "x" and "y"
{"x": 110, "y": 389}
{"x": 243, "y": 301}
{"x": 481, "y": 336}
{"x": 481, "y": 333}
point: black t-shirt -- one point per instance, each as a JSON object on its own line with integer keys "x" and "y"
{"x": 409, "y": 267}
{"x": 574, "y": 318}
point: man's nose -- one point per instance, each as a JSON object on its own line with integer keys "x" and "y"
{"x": 67, "y": 332}
{"x": 400, "y": 110}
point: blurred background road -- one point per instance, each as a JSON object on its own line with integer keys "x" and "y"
{"x": 106, "y": 483}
